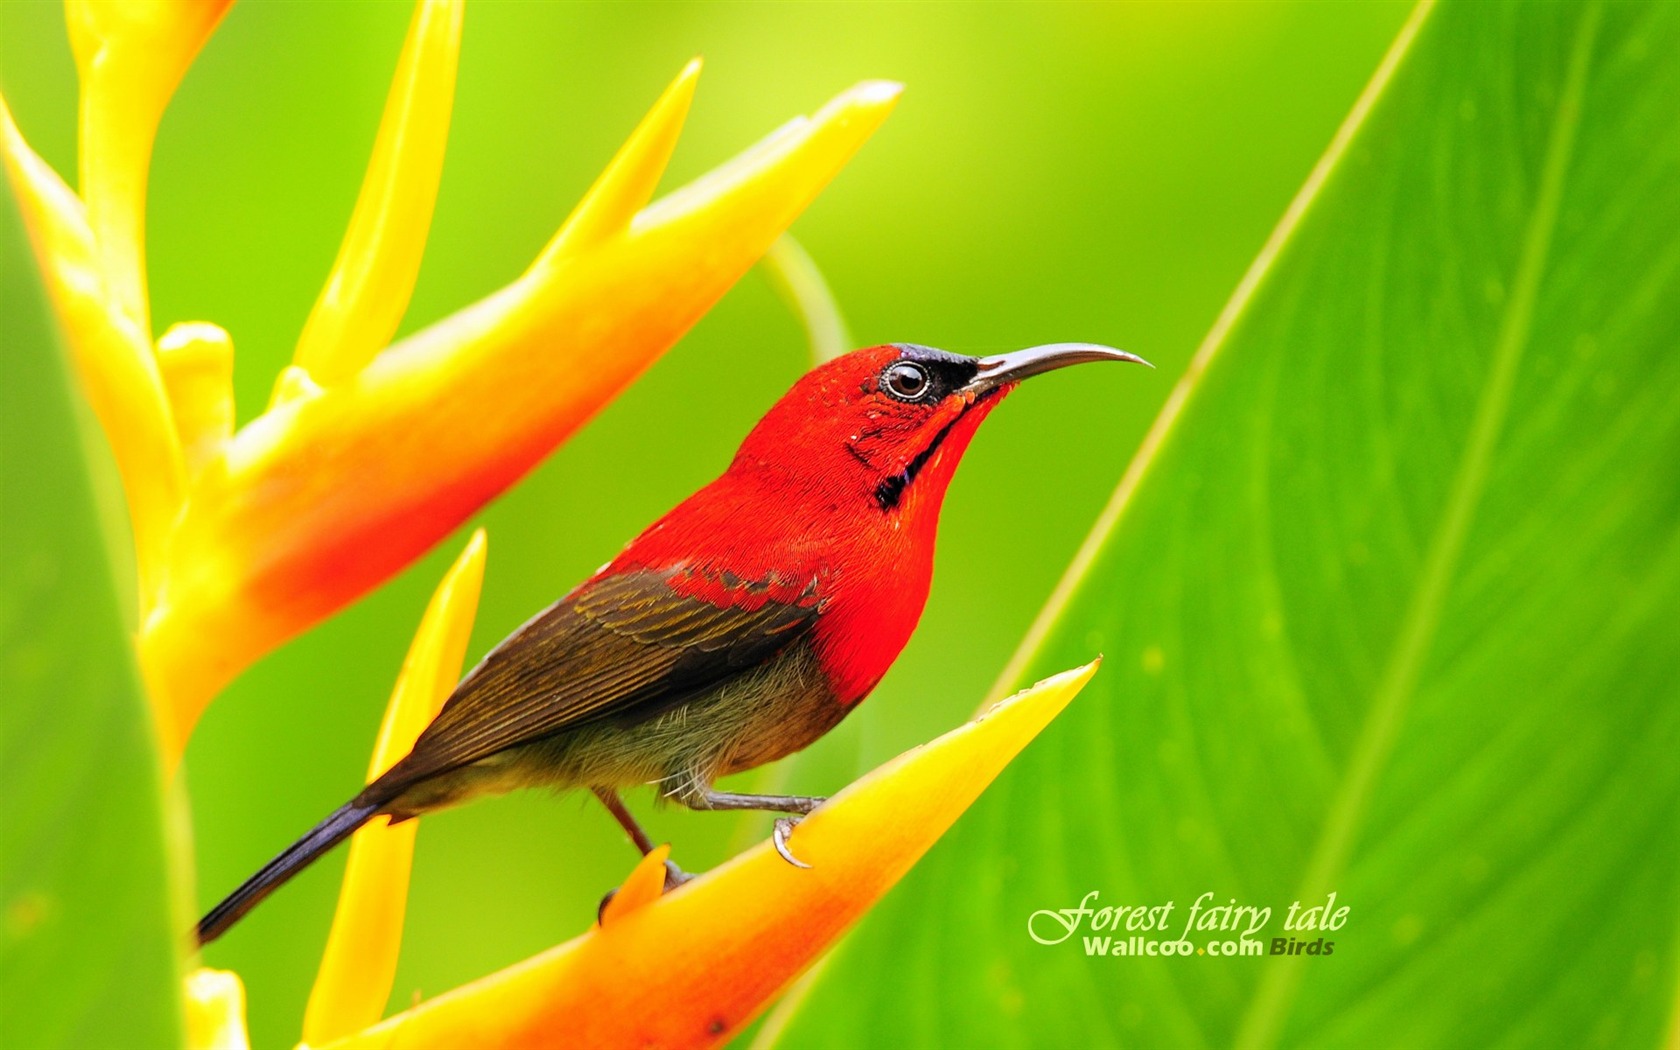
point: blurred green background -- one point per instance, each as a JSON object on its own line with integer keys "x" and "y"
{"x": 1100, "y": 172}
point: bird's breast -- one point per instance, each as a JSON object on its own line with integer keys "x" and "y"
{"x": 871, "y": 611}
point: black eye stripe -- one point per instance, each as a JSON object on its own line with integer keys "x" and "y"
{"x": 944, "y": 372}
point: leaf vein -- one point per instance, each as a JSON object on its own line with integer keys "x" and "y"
{"x": 1275, "y": 994}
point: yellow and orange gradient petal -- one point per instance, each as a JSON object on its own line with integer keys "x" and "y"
{"x": 368, "y": 454}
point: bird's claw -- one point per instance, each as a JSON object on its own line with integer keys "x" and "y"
{"x": 784, "y": 828}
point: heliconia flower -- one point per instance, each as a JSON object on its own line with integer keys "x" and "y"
{"x": 368, "y": 454}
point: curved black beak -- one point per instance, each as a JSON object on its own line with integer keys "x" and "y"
{"x": 1001, "y": 369}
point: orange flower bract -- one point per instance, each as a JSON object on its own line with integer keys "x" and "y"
{"x": 369, "y": 454}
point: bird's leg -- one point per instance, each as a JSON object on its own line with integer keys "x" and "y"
{"x": 704, "y": 796}
{"x": 674, "y": 876}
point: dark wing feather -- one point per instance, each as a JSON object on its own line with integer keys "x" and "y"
{"x": 629, "y": 647}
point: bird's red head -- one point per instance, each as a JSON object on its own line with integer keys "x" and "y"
{"x": 841, "y": 482}
{"x": 887, "y": 425}
{"x": 856, "y": 432}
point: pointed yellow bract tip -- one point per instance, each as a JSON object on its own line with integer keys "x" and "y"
{"x": 627, "y": 184}
{"x": 215, "y": 1002}
{"x": 643, "y": 886}
{"x": 878, "y": 92}
{"x": 694, "y": 966}
{"x": 373, "y": 277}
{"x": 763, "y": 176}
{"x": 433, "y": 664}
{"x": 360, "y": 961}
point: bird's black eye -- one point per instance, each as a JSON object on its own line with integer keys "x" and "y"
{"x": 906, "y": 381}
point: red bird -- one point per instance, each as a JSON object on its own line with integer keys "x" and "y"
{"x": 737, "y": 629}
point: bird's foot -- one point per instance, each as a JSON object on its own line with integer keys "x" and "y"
{"x": 703, "y": 796}
{"x": 783, "y": 828}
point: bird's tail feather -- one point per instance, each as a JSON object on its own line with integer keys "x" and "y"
{"x": 299, "y": 855}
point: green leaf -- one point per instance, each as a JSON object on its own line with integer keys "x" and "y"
{"x": 88, "y": 937}
{"x": 1391, "y": 604}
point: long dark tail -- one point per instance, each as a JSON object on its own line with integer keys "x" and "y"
{"x": 299, "y": 855}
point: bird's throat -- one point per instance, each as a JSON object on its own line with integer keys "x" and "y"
{"x": 889, "y": 491}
